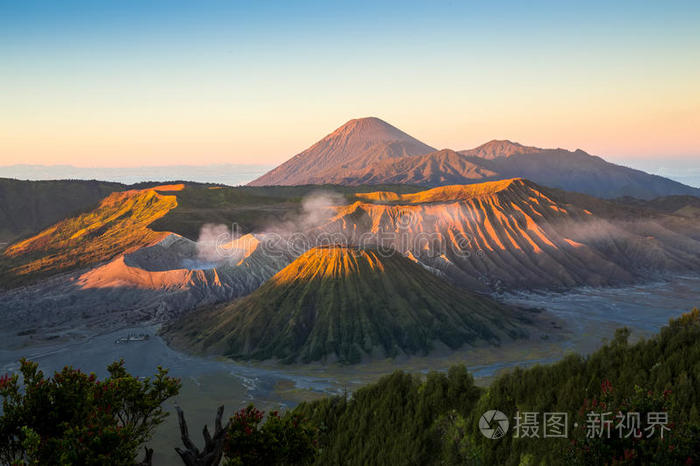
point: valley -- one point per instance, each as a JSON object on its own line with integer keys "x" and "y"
{"x": 547, "y": 272}
{"x": 587, "y": 316}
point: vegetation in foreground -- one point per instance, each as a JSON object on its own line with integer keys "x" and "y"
{"x": 74, "y": 418}
{"x": 402, "y": 419}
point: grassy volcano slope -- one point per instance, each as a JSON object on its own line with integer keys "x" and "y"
{"x": 28, "y": 206}
{"x": 343, "y": 303}
{"x": 118, "y": 225}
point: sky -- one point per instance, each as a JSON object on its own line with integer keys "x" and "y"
{"x": 132, "y": 83}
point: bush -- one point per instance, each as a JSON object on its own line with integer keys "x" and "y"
{"x": 280, "y": 440}
{"x": 73, "y": 418}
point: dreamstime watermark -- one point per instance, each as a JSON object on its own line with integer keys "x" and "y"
{"x": 217, "y": 242}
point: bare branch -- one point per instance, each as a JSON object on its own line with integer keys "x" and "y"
{"x": 213, "y": 446}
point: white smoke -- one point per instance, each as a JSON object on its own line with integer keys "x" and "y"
{"x": 218, "y": 243}
{"x": 212, "y": 241}
{"x": 318, "y": 208}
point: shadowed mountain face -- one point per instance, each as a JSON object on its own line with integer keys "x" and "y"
{"x": 345, "y": 303}
{"x": 433, "y": 169}
{"x": 355, "y": 145}
{"x": 370, "y": 151}
{"x": 573, "y": 171}
{"x": 685, "y": 206}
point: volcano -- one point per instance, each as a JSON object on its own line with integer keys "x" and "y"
{"x": 357, "y": 144}
{"x": 344, "y": 303}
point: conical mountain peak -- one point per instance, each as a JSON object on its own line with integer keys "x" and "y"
{"x": 346, "y": 303}
{"x": 355, "y": 145}
{"x": 370, "y": 129}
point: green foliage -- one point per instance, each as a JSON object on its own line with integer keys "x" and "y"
{"x": 402, "y": 419}
{"x": 390, "y": 422}
{"x": 621, "y": 442}
{"x": 280, "y": 440}
{"x": 74, "y": 418}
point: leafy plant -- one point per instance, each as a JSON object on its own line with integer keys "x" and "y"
{"x": 280, "y": 440}
{"x": 74, "y": 418}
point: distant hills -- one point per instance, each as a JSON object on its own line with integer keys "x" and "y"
{"x": 371, "y": 151}
{"x": 345, "y": 303}
{"x": 229, "y": 174}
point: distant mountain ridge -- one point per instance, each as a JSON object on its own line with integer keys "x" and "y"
{"x": 370, "y": 151}
{"x": 229, "y": 174}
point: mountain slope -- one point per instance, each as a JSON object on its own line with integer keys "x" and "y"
{"x": 498, "y": 160}
{"x": 355, "y": 145}
{"x": 154, "y": 283}
{"x": 573, "y": 171}
{"x": 345, "y": 303}
{"x": 28, "y": 206}
{"x": 434, "y": 169}
{"x": 514, "y": 234}
{"x": 118, "y": 225}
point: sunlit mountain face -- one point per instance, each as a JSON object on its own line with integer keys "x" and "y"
{"x": 118, "y": 225}
{"x": 156, "y": 254}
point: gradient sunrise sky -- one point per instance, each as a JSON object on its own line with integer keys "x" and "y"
{"x": 128, "y": 83}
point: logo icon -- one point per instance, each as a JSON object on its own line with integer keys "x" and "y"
{"x": 493, "y": 424}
